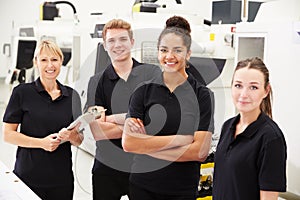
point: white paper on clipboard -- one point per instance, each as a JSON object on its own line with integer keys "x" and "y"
{"x": 84, "y": 120}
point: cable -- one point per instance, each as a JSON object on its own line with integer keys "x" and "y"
{"x": 70, "y": 4}
{"x": 67, "y": 2}
{"x": 75, "y": 172}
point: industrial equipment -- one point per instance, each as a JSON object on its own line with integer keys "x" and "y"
{"x": 26, "y": 36}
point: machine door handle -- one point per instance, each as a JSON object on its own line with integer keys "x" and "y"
{"x": 6, "y": 47}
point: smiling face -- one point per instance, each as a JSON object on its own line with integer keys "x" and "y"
{"x": 49, "y": 64}
{"x": 172, "y": 53}
{"x": 118, "y": 44}
{"x": 248, "y": 90}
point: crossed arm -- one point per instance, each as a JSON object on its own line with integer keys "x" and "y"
{"x": 172, "y": 148}
{"x": 107, "y": 127}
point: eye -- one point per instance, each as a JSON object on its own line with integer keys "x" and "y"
{"x": 178, "y": 51}
{"x": 163, "y": 50}
{"x": 124, "y": 39}
{"x": 237, "y": 85}
{"x": 110, "y": 41}
{"x": 253, "y": 87}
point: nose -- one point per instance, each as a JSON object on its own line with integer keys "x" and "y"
{"x": 170, "y": 54}
{"x": 118, "y": 43}
{"x": 244, "y": 92}
{"x": 49, "y": 63}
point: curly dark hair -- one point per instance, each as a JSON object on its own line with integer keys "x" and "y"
{"x": 179, "y": 22}
{"x": 178, "y": 26}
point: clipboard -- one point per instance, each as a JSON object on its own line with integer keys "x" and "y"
{"x": 84, "y": 119}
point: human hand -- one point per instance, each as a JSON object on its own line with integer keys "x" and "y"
{"x": 68, "y": 134}
{"x": 98, "y": 112}
{"x": 136, "y": 125}
{"x": 50, "y": 142}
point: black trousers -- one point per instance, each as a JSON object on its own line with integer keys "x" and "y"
{"x": 54, "y": 193}
{"x": 108, "y": 187}
{"x": 138, "y": 193}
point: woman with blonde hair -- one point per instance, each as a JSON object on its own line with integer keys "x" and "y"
{"x": 34, "y": 120}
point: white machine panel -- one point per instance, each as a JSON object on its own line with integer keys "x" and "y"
{"x": 12, "y": 188}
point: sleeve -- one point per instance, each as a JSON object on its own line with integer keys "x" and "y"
{"x": 206, "y": 102}
{"x": 14, "y": 112}
{"x": 136, "y": 104}
{"x": 272, "y": 167}
{"x": 91, "y": 91}
{"x": 76, "y": 105}
{"x": 99, "y": 93}
{"x": 192, "y": 69}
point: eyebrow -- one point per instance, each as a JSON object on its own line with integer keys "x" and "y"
{"x": 172, "y": 48}
{"x": 43, "y": 57}
{"x": 116, "y": 38}
{"x": 252, "y": 82}
{"x": 255, "y": 83}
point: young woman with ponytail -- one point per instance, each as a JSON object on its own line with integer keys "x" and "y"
{"x": 250, "y": 160}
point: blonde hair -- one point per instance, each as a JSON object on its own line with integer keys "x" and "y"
{"x": 50, "y": 46}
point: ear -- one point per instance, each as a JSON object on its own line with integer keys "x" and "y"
{"x": 267, "y": 90}
{"x": 35, "y": 61}
{"x": 61, "y": 62}
{"x": 188, "y": 55}
{"x": 132, "y": 42}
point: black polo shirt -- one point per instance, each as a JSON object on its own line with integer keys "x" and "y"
{"x": 254, "y": 161}
{"x": 38, "y": 115}
{"x": 187, "y": 109}
{"x": 113, "y": 93}
{"x": 91, "y": 90}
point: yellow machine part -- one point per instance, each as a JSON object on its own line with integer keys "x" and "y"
{"x": 41, "y": 12}
{"x": 205, "y": 198}
{"x": 136, "y": 7}
{"x": 207, "y": 165}
{"x": 206, "y": 170}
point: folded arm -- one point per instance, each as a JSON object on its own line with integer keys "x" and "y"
{"x": 108, "y": 127}
{"x": 105, "y": 130}
{"x": 139, "y": 142}
{"x": 197, "y": 151}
